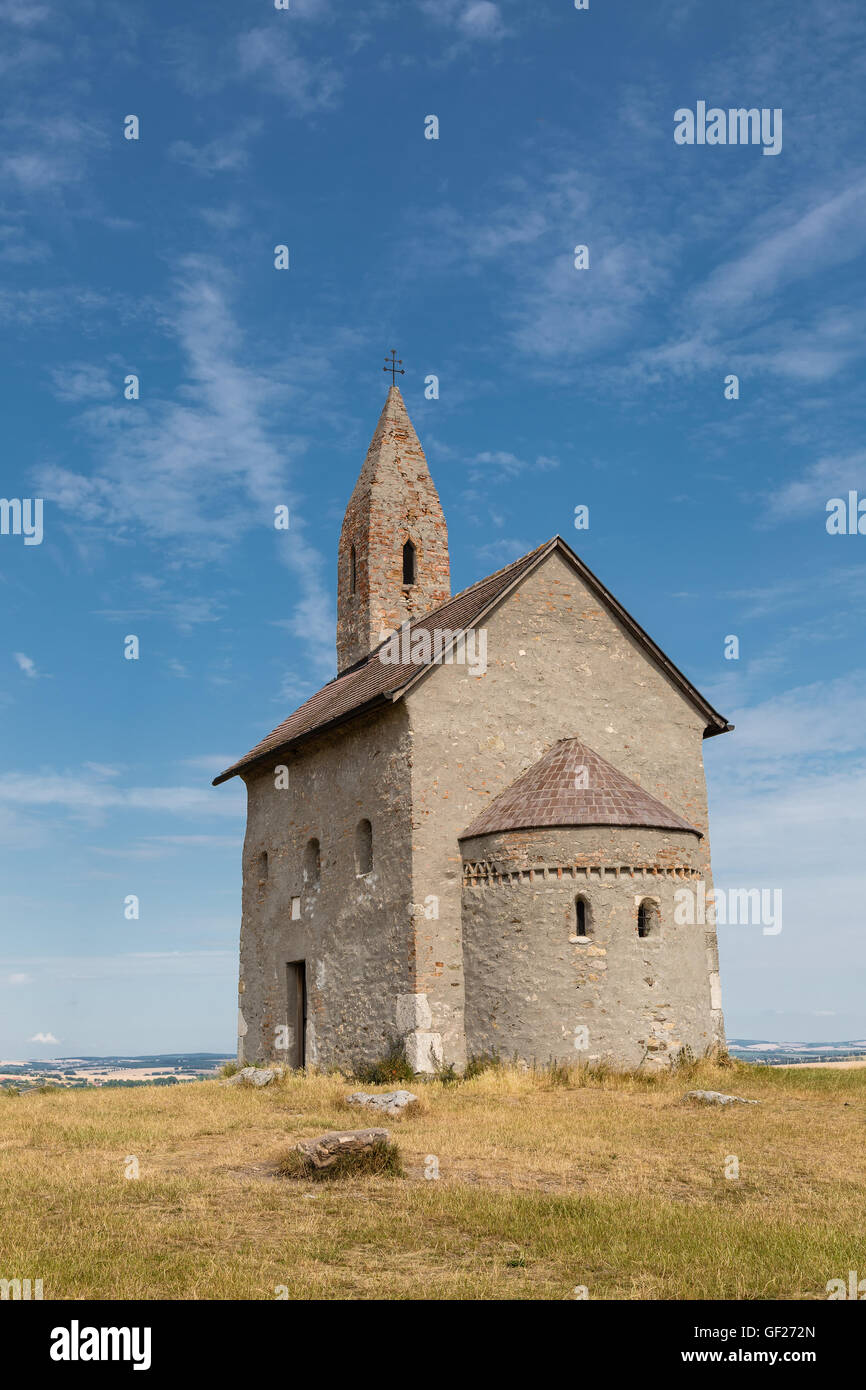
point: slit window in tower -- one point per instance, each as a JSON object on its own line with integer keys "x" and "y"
{"x": 353, "y": 567}
{"x": 409, "y": 563}
{"x": 647, "y": 918}
{"x": 581, "y": 912}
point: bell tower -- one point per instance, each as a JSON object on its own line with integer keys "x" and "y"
{"x": 393, "y": 559}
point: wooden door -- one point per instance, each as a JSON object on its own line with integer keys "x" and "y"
{"x": 296, "y": 1013}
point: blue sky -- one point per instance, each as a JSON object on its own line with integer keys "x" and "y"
{"x": 558, "y": 387}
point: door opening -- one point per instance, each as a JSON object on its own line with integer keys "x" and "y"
{"x": 296, "y": 1013}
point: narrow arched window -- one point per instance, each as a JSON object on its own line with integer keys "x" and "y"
{"x": 582, "y": 925}
{"x": 263, "y": 866}
{"x": 363, "y": 848}
{"x": 409, "y": 563}
{"x": 312, "y": 862}
{"x": 353, "y": 569}
{"x": 647, "y": 917}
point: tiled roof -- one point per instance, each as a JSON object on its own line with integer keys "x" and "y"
{"x": 373, "y": 682}
{"x": 573, "y": 785}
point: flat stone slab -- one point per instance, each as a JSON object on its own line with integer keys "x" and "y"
{"x": 389, "y": 1102}
{"x": 253, "y": 1076}
{"x": 719, "y": 1098}
{"x": 327, "y": 1148}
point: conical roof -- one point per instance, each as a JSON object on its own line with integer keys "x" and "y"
{"x": 573, "y": 785}
{"x": 395, "y": 446}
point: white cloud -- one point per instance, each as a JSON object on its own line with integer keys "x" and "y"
{"x": 23, "y": 13}
{"x": 198, "y": 472}
{"x": 133, "y": 965}
{"x": 91, "y": 798}
{"x": 481, "y": 19}
{"x": 788, "y": 785}
{"x": 19, "y": 247}
{"x": 504, "y": 464}
{"x": 209, "y": 763}
{"x": 44, "y": 155}
{"x": 26, "y": 664}
{"x": 784, "y": 728}
{"x": 224, "y": 154}
{"x": 473, "y": 19}
{"x": 272, "y": 58}
{"x": 83, "y": 381}
{"x": 732, "y": 319}
{"x": 43, "y": 1038}
{"x": 808, "y": 495}
{"x": 552, "y": 308}
{"x": 45, "y": 308}
{"x": 502, "y": 552}
{"x": 830, "y": 232}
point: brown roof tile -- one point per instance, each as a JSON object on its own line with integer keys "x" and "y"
{"x": 573, "y": 785}
{"x": 372, "y": 682}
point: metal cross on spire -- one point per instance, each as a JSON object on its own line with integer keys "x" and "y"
{"x": 393, "y": 368}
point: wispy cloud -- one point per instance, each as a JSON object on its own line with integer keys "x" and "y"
{"x": 26, "y": 664}
{"x": 130, "y": 965}
{"x": 221, "y": 155}
{"x": 273, "y": 59}
{"x": 24, "y": 14}
{"x": 808, "y": 494}
{"x": 174, "y": 471}
{"x": 44, "y": 154}
{"x": 90, "y": 798}
{"x": 83, "y": 381}
{"x": 471, "y": 19}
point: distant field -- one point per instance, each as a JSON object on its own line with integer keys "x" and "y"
{"x": 849, "y": 1062}
{"x": 608, "y": 1182}
{"x": 75, "y": 1072}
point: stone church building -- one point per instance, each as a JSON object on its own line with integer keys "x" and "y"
{"x": 471, "y": 839}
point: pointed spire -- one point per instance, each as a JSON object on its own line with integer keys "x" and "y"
{"x": 393, "y": 438}
{"x": 393, "y": 557}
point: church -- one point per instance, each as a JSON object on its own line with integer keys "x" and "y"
{"x": 470, "y": 840}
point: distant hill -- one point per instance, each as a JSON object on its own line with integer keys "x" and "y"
{"x": 755, "y": 1050}
{"x": 174, "y": 1068}
{"x": 159, "y": 1069}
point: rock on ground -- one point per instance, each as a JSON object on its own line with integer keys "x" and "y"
{"x": 719, "y": 1098}
{"x": 325, "y": 1150}
{"x": 390, "y": 1102}
{"x": 253, "y": 1076}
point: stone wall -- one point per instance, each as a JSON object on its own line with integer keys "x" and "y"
{"x": 537, "y": 990}
{"x": 385, "y": 954}
{"x": 394, "y": 500}
{"x": 354, "y": 933}
{"x": 559, "y": 666}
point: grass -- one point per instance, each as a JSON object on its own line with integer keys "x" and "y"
{"x": 549, "y": 1179}
{"x": 389, "y": 1069}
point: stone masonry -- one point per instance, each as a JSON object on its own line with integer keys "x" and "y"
{"x": 394, "y": 501}
{"x": 418, "y": 838}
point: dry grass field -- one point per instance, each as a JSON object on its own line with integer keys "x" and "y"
{"x": 547, "y": 1182}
